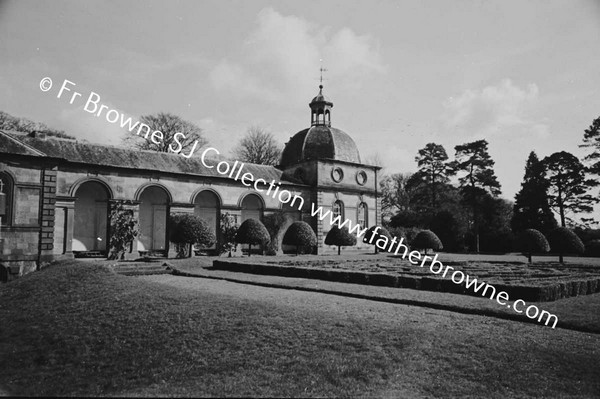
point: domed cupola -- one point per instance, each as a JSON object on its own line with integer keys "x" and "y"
{"x": 320, "y": 141}
{"x": 320, "y": 108}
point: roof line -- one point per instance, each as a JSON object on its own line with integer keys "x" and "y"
{"x": 33, "y": 149}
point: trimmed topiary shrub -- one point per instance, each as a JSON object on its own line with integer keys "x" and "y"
{"x": 532, "y": 241}
{"x": 300, "y": 234}
{"x": 565, "y": 241}
{"x": 274, "y": 223}
{"x": 340, "y": 238}
{"x": 374, "y": 233}
{"x": 253, "y": 232}
{"x": 427, "y": 239}
{"x": 186, "y": 230}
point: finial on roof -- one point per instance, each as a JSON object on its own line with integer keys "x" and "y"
{"x": 322, "y": 70}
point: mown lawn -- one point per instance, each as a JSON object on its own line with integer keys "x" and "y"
{"x": 77, "y": 329}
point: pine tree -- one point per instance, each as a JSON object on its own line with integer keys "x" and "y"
{"x": 478, "y": 178}
{"x": 568, "y": 185}
{"x": 434, "y": 172}
{"x": 532, "y": 209}
{"x": 591, "y": 139}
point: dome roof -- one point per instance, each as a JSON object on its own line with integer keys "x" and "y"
{"x": 319, "y": 142}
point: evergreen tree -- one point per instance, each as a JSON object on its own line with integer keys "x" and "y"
{"x": 568, "y": 185}
{"x": 591, "y": 139}
{"x": 434, "y": 172}
{"x": 478, "y": 178}
{"x": 532, "y": 209}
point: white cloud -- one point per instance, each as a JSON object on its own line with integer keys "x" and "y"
{"x": 503, "y": 109}
{"x": 229, "y": 77}
{"x": 282, "y": 56}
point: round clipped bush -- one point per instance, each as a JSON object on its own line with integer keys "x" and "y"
{"x": 300, "y": 234}
{"x": 427, "y": 239}
{"x": 375, "y": 233}
{"x": 340, "y": 238}
{"x": 253, "y": 232}
{"x": 532, "y": 241}
{"x": 186, "y": 229}
{"x": 565, "y": 241}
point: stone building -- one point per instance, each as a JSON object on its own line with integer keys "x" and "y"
{"x": 59, "y": 191}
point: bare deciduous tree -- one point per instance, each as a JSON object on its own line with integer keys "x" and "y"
{"x": 178, "y": 135}
{"x": 258, "y": 146}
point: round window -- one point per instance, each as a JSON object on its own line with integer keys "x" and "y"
{"x": 361, "y": 177}
{"x": 337, "y": 174}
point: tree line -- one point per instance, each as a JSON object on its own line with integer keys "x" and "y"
{"x": 459, "y": 199}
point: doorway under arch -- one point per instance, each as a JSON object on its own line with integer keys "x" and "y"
{"x": 207, "y": 206}
{"x": 90, "y": 225}
{"x": 154, "y": 210}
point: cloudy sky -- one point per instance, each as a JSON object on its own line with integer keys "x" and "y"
{"x": 525, "y": 75}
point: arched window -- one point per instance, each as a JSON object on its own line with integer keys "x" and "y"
{"x": 338, "y": 209}
{"x": 362, "y": 216}
{"x": 6, "y": 188}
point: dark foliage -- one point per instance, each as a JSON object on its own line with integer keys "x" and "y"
{"x": 568, "y": 185}
{"x": 408, "y": 233}
{"x": 396, "y": 195}
{"x": 427, "y": 239}
{"x": 477, "y": 179}
{"x": 433, "y": 174}
{"x": 301, "y": 235}
{"x": 532, "y": 241}
{"x": 406, "y": 218}
{"x": 532, "y": 209}
{"x": 372, "y": 236}
{"x": 340, "y": 238}
{"x": 591, "y": 139}
{"x": 169, "y": 125}
{"x": 494, "y": 221}
{"x": 123, "y": 230}
{"x": 450, "y": 229}
{"x": 565, "y": 241}
{"x": 258, "y": 146}
{"x": 186, "y": 229}
{"x": 228, "y": 233}
{"x": 592, "y": 248}
{"x": 253, "y": 232}
{"x": 274, "y": 223}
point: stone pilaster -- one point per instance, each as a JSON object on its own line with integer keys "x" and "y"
{"x": 48, "y": 201}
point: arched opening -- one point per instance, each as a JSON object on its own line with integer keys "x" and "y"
{"x": 338, "y": 209}
{"x": 362, "y": 216}
{"x": 90, "y": 218}
{"x": 252, "y": 207}
{"x": 154, "y": 203}
{"x": 6, "y": 199}
{"x": 208, "y": 207}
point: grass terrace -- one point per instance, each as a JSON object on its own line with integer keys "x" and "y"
{"x": 77, "y": 328}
